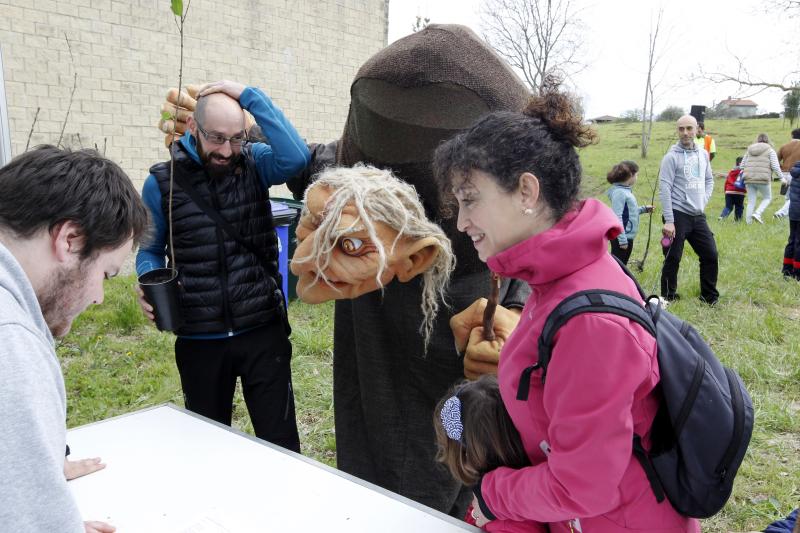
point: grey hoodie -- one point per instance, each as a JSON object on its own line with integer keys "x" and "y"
{"x": 34, "y": 495}
{"x": 685, "y": 182}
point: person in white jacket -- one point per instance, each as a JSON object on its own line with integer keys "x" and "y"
{"x": 759, "y": 163}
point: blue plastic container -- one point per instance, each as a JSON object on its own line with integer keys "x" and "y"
{"x": 284, "y": 216}
{"x": 297, "y": 206}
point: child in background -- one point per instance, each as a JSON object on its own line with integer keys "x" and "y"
{"x": 622, "y": 177}
{"x": 735, "y": 192}
{"x": 474, "y": 435}
{"x": 791, "y": 254}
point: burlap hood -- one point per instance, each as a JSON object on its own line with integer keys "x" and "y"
{"x": 418, "y": 92}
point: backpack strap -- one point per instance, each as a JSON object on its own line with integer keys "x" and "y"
{"x": 589, "y": 301}
{"x": 631, "y": 276}
{"x": 647, "y": 465}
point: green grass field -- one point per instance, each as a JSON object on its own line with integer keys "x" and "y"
{"x": 115, "y": 362}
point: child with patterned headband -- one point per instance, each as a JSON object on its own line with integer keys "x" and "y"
{"x": 474, "y": 435}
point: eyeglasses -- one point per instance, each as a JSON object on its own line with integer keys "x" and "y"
{"x": 218, "y": 139}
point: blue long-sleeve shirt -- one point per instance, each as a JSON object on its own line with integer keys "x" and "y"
{"x": 285, "y": 156}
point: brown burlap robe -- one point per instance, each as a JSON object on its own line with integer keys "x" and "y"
{"x": 405, "y": 100}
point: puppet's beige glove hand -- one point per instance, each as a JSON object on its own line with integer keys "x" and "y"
{"x": 481, "y": 356}
{"x": 175, "y": 111}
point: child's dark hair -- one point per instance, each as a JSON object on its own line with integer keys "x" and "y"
{"x": 622, "y": 171}
{"x": 488, "y": 438}
{"x": 542, "y": 140}
{"x": 739, "y": 160}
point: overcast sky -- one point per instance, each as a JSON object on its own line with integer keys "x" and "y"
{"x": 616, "y": 35}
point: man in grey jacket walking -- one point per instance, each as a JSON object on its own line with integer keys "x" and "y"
{"x": 685, "y": 186}
{"x": 67, "y": 222}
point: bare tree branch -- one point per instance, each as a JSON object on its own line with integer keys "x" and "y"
{"x": 33, "y": 125}
{"x": 647, "y": 108}
{"x": 748, "y": 85}
{"x": 71, "y": 94}
{"x": 791, "y": 8}
{"x": 743, "y": 80}
{"x": 538, "y": 37}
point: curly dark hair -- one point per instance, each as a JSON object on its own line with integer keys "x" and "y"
{"x": 542, "y": 140}
{"x": 622, "y": 171}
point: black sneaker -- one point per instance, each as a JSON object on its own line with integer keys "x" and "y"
{"x": 709, "y": 302}
{"x": 672, "y": 297}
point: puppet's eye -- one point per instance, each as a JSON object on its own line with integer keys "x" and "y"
{"x": 351, "y": 245}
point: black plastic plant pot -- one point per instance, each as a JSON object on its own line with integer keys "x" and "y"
{"x": 162, "y": 291}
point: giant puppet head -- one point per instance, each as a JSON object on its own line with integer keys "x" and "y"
{"x": 361, "y": 228}
{"x": 414, "y": 94}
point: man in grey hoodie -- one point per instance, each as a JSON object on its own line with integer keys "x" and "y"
{"x": 685, "y": 186}
{"x": 67, "y": 222}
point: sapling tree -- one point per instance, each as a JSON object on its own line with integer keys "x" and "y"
{"x": 179, "y": 14}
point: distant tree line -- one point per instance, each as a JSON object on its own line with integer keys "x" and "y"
{"x": 669, "y": 114}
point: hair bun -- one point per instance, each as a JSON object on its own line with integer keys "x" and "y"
{"x": 558, "y": 111}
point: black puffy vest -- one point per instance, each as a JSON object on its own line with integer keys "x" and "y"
{"x": 225, "y": 287}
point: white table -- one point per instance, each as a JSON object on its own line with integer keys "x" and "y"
{"x": 170, "y": 470}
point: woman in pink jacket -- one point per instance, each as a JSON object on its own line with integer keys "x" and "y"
{"x": 516, "y": 178}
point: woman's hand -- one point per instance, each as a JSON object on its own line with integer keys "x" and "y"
{"x": 477, "y": 514}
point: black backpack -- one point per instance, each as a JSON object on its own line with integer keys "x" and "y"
{"x": 703, "y": 427}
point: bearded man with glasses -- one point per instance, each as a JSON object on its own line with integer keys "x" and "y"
{"x": 234, "y": 315}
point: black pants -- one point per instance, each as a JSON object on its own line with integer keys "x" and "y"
{"x": 619, "y": 253}
{"x": 262, "y": 358}
{"x": 791, "y": 255}
{"x": 735, "y": 203}
{"x": 695, "y": 230}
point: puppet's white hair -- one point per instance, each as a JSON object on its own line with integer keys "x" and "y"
{"x": 379, "y": 196}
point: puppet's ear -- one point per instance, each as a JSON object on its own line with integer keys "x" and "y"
{"x": 418, "y": 257}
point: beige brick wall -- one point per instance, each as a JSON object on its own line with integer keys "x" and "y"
{"x": 126, "y": 54}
